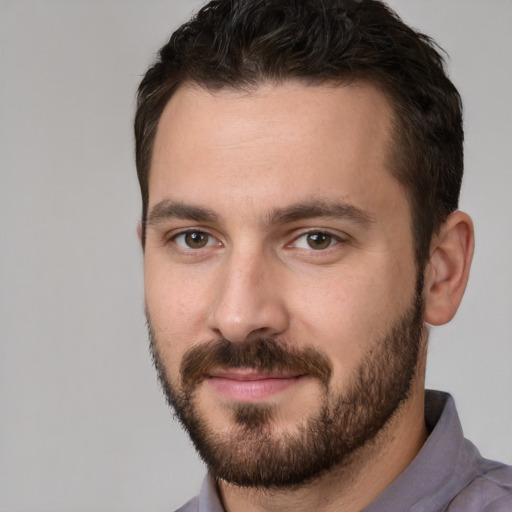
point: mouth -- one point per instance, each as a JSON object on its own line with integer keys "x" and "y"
{"x": 250, "y": 385}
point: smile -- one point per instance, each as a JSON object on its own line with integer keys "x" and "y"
{"x": 249, "y": 385}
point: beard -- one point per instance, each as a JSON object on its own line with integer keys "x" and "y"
{"x": 253, "y": 452}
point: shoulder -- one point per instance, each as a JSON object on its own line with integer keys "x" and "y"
{"x": 489, "y": 491}
{"x": 191, "y": 506}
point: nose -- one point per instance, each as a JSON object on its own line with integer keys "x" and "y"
{"x": 249, "y": 299}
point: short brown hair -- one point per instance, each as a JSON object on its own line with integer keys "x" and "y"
{"x": 241, "y": 44}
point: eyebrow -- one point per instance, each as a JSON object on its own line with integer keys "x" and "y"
{"x": 168, "y": 210}
{"x": 318, "y": 208}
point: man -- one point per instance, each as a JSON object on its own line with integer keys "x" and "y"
{"x": 300, "y": 165}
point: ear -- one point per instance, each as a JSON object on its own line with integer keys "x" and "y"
{"x": 447, "y": 272}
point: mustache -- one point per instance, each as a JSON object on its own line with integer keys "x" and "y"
{"x": 265, "y": 354}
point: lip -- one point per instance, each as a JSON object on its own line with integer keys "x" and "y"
{"x": 248, "y": 385}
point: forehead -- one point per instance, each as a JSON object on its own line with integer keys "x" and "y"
{"x": 273, "y": 143}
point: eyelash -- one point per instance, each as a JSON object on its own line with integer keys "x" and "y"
{"x": 332, "y": 240}
{"x": 187, "y": 247}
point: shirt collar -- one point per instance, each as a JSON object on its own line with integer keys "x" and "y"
{"x": 442, "y": 468}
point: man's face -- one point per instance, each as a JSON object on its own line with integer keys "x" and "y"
{"x": 280, "y": 278}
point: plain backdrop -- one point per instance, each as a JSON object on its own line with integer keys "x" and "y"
{"x": 83, "y": 423}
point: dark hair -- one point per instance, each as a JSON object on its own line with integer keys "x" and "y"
{"x": 241, "y": 44}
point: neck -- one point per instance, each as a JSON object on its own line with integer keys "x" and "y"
{"x": 355, "y": 484}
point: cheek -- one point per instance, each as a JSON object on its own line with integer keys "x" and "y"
{"x": 346, "y": 313}
{"x": 176, "y": 308}
{"x": 337, "y": 321}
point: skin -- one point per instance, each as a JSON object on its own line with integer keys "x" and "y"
{"x": 246, "y": 157}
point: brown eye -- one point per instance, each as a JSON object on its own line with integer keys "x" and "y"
{"x": 196, "y": 239}
{"x": 319, "y": 241}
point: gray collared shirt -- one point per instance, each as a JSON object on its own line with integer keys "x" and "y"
{"x": 447, "y": 475}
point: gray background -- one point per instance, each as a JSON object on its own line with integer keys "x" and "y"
{"x": 83, "y": 424}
